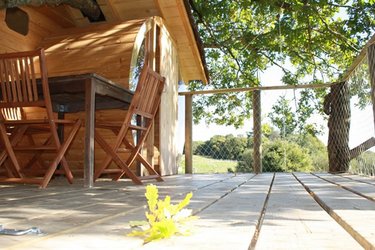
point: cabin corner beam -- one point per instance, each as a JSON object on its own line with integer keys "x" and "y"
{"x": 188, "y": 134}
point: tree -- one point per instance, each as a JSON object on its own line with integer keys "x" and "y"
{"x": 315, "y": 148}
{"x": 294, "y": 152}
{"x": 278, "y": 156}
{"x": 282, "y": 117}
{"x": 285, "y": 156}
{"x": 243, "y": 38}
{"x": 226, "y": 147}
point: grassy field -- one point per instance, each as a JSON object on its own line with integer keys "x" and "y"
{"x": 204, "y": 165}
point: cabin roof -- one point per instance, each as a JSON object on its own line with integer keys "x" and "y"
{"x": 176, "y": 14}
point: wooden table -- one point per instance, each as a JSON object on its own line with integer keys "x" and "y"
{"x": 87, "y": 92}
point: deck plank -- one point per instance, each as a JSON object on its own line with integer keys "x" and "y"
{"x": 361, "y": 188}
{"x": 208, "y": 200}
{"x": 229, "y": 223}
{"x": 360, "y": 178}
{"x": 88, "y": 212}
{"x": 354, "y": 213}
{"x": 293, "y": 220}
{"x": 228, "y": 205}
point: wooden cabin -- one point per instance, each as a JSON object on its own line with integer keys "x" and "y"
{"x": 114, "y": 46}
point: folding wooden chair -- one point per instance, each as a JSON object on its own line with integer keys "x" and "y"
{"x": 143, "y": 108}
{"x": 19, "y": 88}
{"x": 9, "y": 114}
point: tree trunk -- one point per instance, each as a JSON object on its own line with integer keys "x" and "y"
{"x": 337, "y": 105}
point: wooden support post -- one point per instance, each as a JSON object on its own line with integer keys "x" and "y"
{"x": 257, "y": 113}
{"x": 371, "y": 63}
{"x": 188, "y": 134}
{"x": 89, "y": 160}
{"x": 151, "y": 51}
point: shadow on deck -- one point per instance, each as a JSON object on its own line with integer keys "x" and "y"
{"x": 266, "y": 211}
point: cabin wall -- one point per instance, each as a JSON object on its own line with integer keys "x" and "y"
{"x": 40, "y": 26}
{"x": 103, "y": 49}
{"x": 169, "y": 68}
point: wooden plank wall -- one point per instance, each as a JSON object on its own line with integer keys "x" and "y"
{"x": 39, "y": 26}
{"x": 106, "y": 50}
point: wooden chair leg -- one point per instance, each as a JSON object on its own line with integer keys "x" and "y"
{"x": 60, "y": 157}
{"x": 9, "y": 169}
{"x": 104, "y": 145}
{"x": 129, "y": 162}
{"x": 112, "y": 155}
{"x": 14, "y": 139}
{"x": 36, "y": 157}
{"x": 9, "y": 152}
{"x": 108, "y": 158}
{"x": 148, "y": 166}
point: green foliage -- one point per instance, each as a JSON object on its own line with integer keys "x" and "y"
{"x": 246, "y": 164}
{"x": 136, "y": 70}
{"x": 363, "y": 164}
{"x": 360, "y": 86}
{"x": 242, "y": 38}
{"x": 226, "y": 147}
{"x": 294, "y": 153}
{"x": 163, "y": 218}
{"x": 196, "y": 144}
{"x": 268, "y": 131}
{"x": 285, "y": 156}
{"x": 283, "y": 117}
{"x": 291, "y": 121}
{"x": 315, "y": 148}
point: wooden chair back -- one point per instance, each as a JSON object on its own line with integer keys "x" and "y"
{"x": 18, "y": 80}
{"x": 145, "y": 102}
{"x": 139, "y": 119}
{"x": 148, "y": 92}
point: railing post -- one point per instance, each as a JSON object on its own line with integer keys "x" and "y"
{"x": 257, "y": 113}
{"x": 188, "y": 134}
{"x": 371, "y": 63}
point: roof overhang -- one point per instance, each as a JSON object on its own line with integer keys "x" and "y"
{"x": 175, "y": 13}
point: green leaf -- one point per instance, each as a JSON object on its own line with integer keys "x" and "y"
{"x": 152, "y": 196}
{"x": 163, "y": 218}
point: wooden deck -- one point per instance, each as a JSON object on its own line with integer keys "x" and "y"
{"x": 267, "y": 211}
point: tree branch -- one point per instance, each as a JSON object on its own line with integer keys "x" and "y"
{"x": 285, "y": 70}
{"x": 348, "y": 43}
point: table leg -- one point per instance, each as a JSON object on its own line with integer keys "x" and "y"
{"x": 60, "y": 131}
{"x": 89, "y": 134}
